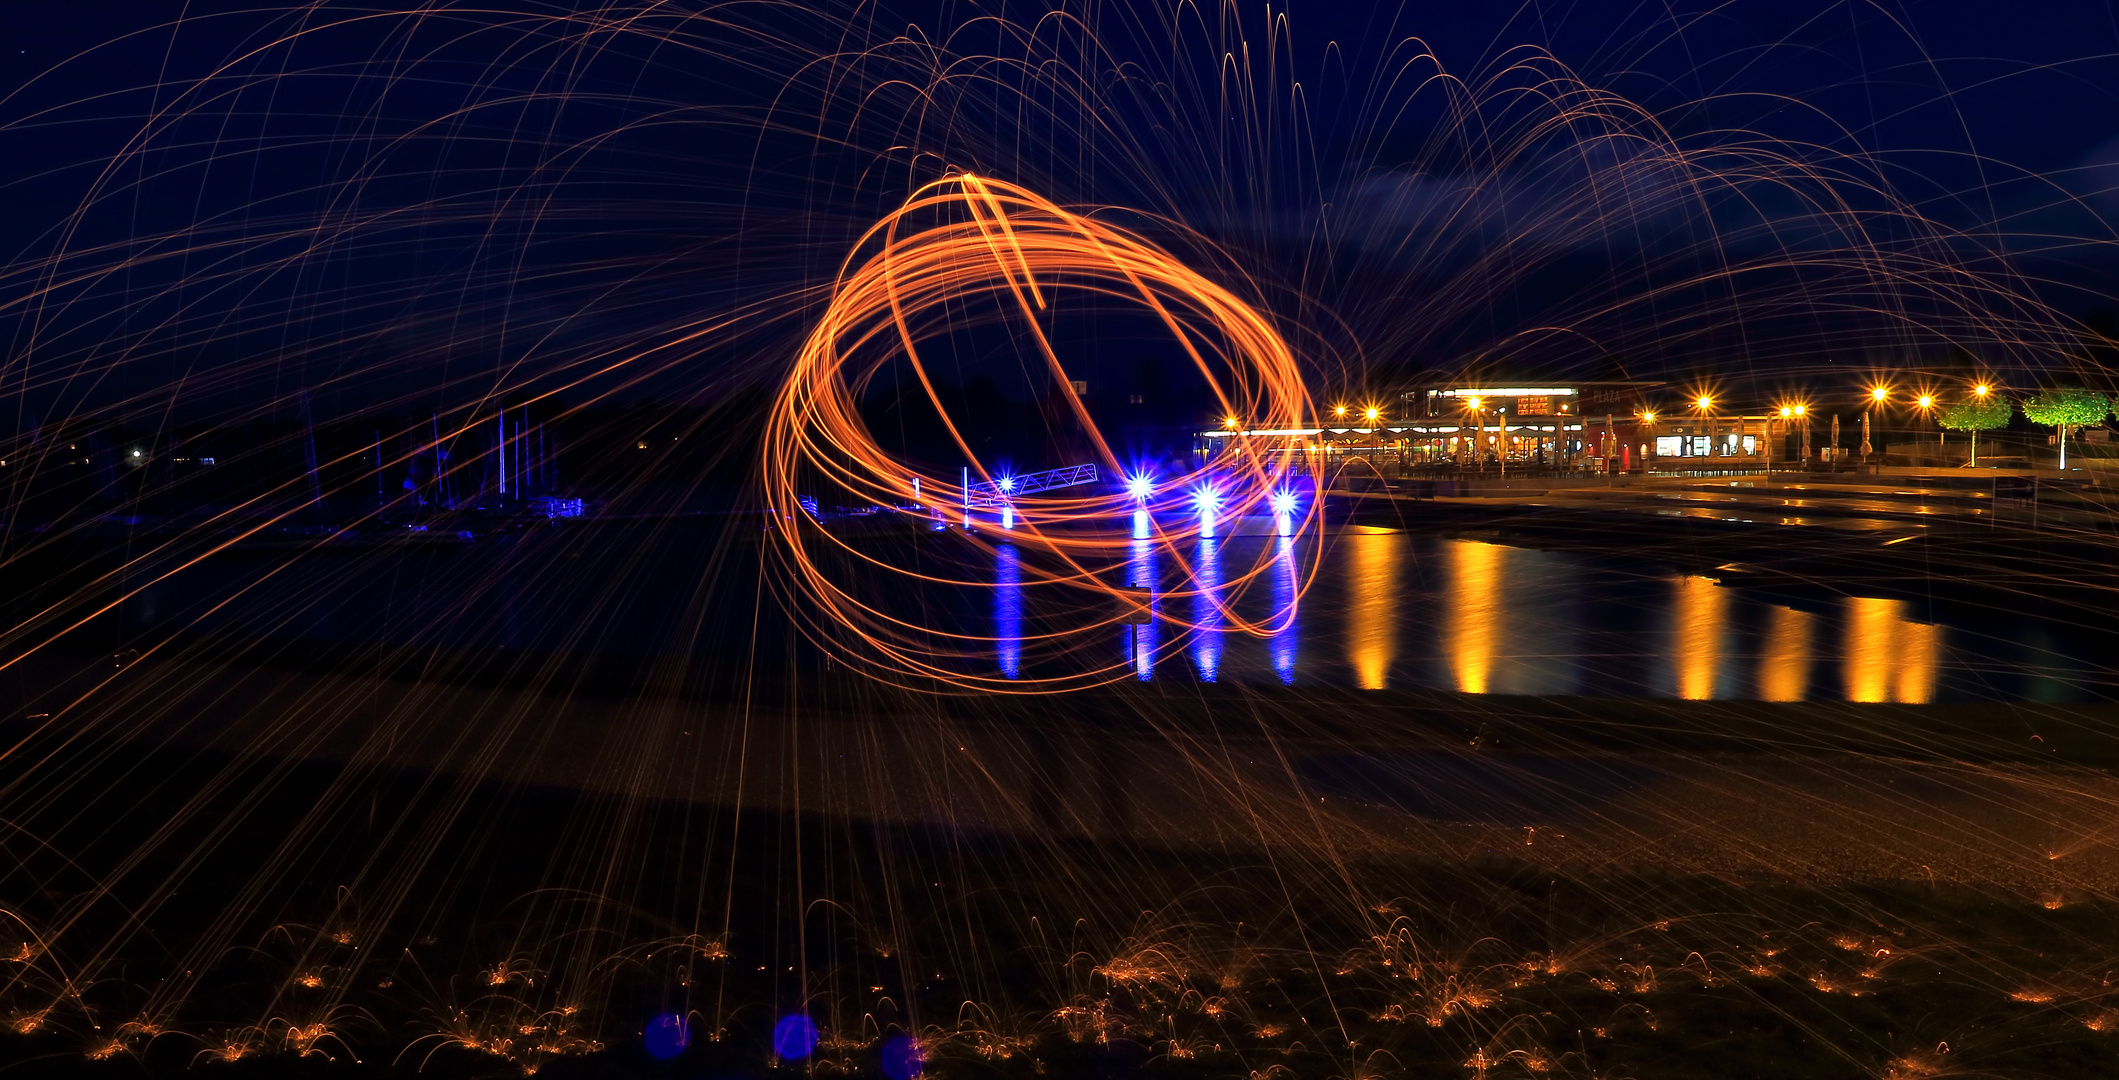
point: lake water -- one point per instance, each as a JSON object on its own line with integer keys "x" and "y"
{"x": 1385, "y": 610}
{"x": 1393, "y": 610}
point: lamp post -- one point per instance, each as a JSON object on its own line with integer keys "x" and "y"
{"x": 1787, "y": 415}
{"x": 1979, "y": 391}
{"x": 1648, "y": 447}
{"x": 1877, "y": 397}
{"x": 1924, "y": 404}
{"x": 1476, "y": 406}
{"x": 1704, "y": 405}
{"x": 1375, "y": 438}
{"x": 1501, "y": 440}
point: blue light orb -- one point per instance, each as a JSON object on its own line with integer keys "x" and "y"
{"x": 666, "y": 1036}
{"x": 1007, "y": 483}
{"x": 903, "y": 1058}
{"x": 794, "y": 1036}
{"x": 1140, "y": 487}
{"x": 1283, "y": 501}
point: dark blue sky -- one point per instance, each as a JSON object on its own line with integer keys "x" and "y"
{"x": 1983, "y": 115}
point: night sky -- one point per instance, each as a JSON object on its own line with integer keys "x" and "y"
{"x": 395, "y": 209}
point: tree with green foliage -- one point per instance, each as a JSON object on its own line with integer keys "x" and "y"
{"x": 1977, "y": 413}
{"x": 2067, "y": 407}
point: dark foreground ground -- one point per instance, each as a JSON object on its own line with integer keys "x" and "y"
{"x": 232, "y": 857}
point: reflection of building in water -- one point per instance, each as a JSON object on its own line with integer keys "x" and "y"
{"x": 1008, "y": 608}
{"x": 1206, "y": 611}
{"x": 1889, "y": 657}
{"x": 1473, "y": 608}
{"x": 1140, "y": 574}
{"x": 1784, "y": 665}
{"x": 1286, "y": 584}
{"x": 1698, "y": 619}
{"x": 1372, "y": 560}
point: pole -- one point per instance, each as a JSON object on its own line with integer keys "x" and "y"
{"x": 1501, "y": 418}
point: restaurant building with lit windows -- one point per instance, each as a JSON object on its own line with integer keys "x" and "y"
{"x": 1603, "y": 426}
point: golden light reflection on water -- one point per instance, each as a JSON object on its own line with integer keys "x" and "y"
{"x": 1784, "y": 667}
{"x": 1474, "y": 605}
{"x": 1888, "y": 656}
{"x": 1372, "y": 560}
{"x": 1702, "y": 611}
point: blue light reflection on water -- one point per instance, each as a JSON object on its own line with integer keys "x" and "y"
{"x": 1008, "y": 608}
{"x": 1206, "y": 611}
{"x": 1285, "y": 577}
{"x": 1141, "y": 638}
{"x": 1396, "y": 611}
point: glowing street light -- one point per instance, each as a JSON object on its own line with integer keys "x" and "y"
{"x": 1339, "y": 410}
{"x": 1209, "y": 501}
{"x": 1982, "y": 390}
{"x": 1229, "y": 422}
{"x": 1878, "y": 395}
{"x": 1703, "y": 403}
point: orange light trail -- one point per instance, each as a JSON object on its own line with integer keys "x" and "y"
{"x": 954, "y": 244}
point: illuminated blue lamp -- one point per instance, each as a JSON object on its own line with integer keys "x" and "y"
{"x": 1140, "y": 487}
{"x": 1283, "y": 501}
{"x": 1007, "y": 483}
{"x": 666, "y": 1036}
{"x": 794, "y": 1036}
{"x": 903, "y": 1059}
{"x": 1209, "y": 501}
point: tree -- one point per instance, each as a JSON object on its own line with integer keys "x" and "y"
{"x": 1977, "y": 413}
{"x": 2066, "y": 407}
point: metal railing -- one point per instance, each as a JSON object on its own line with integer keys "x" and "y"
{"x": 988, "y": 495}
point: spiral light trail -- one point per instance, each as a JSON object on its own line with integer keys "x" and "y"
{"x": 976, "y": 243}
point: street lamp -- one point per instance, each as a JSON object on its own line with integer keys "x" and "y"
{"x": 1476, "y": 405}
{"x": 1926, "y": 404}
{"x": 1704, "y": 405}
{"x": 1375, "y": 436}
{"x": 1878, "y": 395}
{"x": 1648, "y": 448}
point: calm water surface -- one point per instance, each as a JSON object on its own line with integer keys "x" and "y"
{"x": 1391, "y": 610}
{"x": 1386, "y": 610}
